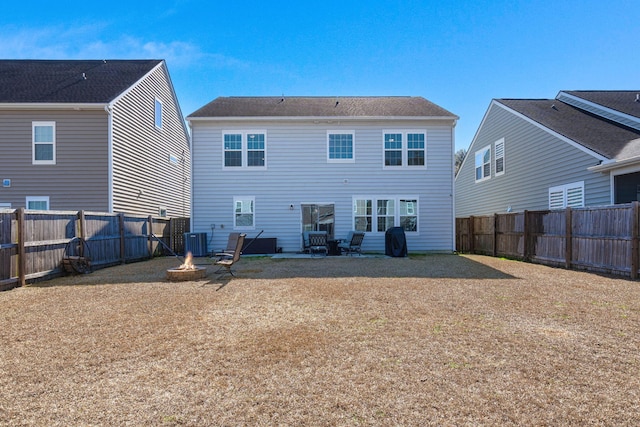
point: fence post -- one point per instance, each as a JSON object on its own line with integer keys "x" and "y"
{"x": 471, "y": 237}
{"x": 150, "y": 238}
{"x": 123, "y": 257}
{"x": 22, "y": 261}
{"x": 568, "y": 238}
{"x": 634, "y": 239}
{"x": 525, "y": 236}
{"x": 81, "y": 234}
{"x": 495, "y": 234}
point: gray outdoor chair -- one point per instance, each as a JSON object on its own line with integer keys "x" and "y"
{"x": 353, "y": 243}
{"x": 226, "y": 263}
{"x": 231, "y": 247}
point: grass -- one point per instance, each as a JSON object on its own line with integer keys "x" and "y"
{"x": 433, "y": 340}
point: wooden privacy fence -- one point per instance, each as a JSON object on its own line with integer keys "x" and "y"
{"x": 33, "y": 243}
{"x": 599, "y": 239}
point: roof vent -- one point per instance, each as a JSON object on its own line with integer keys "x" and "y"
{"x": 637, "y": 97}
{"x": 553, "y": 106}
{"x": 84, "y": 76}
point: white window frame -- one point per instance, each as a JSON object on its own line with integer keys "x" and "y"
{"x": 37, "y": 199}
{"x": 480, "y": 155}
{"x": 5, "y": 205}
{"x": 34, "y": 143}
{"x": 567, "y": 195}
{"x": 499, "y": 154}
{"x": 244, "y": 149}
{"x": 162, "y": 211}
{"x": 395, "y": 215}
{"x": 251, "y": 206}
{"x": 158, "y": 113}
{"x": 351, "y": 159}
{"x": 404, "y": 164}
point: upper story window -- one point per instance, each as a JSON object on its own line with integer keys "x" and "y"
{"x": 499, "y": 150}
{"x": 340, "y": 147}
{"x": 405, "y": 148}
{"x": 40, "y": 203}
{"x": 483, "y": 163}
{"x": 158, "y": 114}
{"x": 244, "y": 212}
{"x": 244, "y": 149}
{"x": 44, "y": 143}
{"x": 567, "y": 196}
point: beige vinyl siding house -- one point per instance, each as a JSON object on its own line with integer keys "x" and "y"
{"x": 84, "y": 135}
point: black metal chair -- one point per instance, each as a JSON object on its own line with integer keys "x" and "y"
{"x": 353, "y": 243}
{"x": 318, "y": 242}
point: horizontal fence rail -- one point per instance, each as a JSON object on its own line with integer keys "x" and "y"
{"x": 34, "y": 244}
{"x": 599, "y": 239}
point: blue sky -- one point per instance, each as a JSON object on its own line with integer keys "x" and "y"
{"x": 458, "y": 54}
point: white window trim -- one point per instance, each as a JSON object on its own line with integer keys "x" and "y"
{"x": 30, "y": 199}
{"x": 157, "y": 110}
{"x": 396, "y": 212}
{"x": 4, "y": 205}
{"x": 475, "y": 166}
{"x": 244, "y": 198}
{"x": 563, "y": 192}
{"x": 33, "y": 141}
{"x": 244, "y": 149}
{"x": 353, "y": 146}
{"x": 405, "y": 148}
{"x": 496, "y": 144}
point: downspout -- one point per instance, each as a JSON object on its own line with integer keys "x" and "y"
{"x": 109, "y": 109}
{"x": 453, "y": 183}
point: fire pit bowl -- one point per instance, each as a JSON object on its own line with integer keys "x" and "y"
{"x": 185, "y": 275}
{"x": 187, "y": 271}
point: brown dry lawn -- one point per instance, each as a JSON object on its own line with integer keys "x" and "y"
{"x": 430, "y": 340}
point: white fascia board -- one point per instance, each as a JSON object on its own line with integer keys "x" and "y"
{"x": 615, "y": 164}
{"x": 329, "y": 119}
{"x": 556, "y": 134}
{"x": 130, "y": 88}
{"x": 600, "y": 107}
{"x": 51, "y": 106}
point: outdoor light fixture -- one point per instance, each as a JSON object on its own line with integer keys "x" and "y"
{"x": 290, "y": 207}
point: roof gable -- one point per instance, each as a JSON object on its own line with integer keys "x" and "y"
{"x": 69, "y": 81}
{"x": 387, "y": 106}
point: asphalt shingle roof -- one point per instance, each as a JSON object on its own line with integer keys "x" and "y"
{"x": 327, "y": 106}
{"x": 605, "y": 137}
{"x": 69, "y": 81}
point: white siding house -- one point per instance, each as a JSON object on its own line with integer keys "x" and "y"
{"x": 288, "y": 165}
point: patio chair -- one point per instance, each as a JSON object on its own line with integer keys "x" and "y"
{"x": 353, "y": 243}
{"x": 227, "y": 263}
{"x": 231, "y": 247}
{"x": 318, "y": 242}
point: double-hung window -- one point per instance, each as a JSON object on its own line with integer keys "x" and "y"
{"x": 404, "y": 148}
{"x": 483, "y": 163}
{"x": 389, "y": 212}
{"x": 244, "y": 149}
{"x": 44, "y": 143}
{"x": 244, "y": 213}
{"x": 340, "y": 147}
{"x": 567, "y": 196}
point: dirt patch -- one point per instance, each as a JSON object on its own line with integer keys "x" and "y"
{"x": 433, "y": 340}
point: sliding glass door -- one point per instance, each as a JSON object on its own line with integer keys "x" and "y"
{"x": 318, "y": 218}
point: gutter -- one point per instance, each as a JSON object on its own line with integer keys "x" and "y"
{"x": 320, "y": 118}
{"x": 51, "y": 106}
{"x": 614, "y": 164}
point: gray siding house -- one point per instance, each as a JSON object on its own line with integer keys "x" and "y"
{"x": 104, "y": 136}
{"x": 288, "y": 165}
{"x": 580, "y": 149}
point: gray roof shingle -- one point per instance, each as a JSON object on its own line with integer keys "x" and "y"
{"x": 603, "y": 136}
{"x": 322, "y": 106}
{"x": 69, "y": 81}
